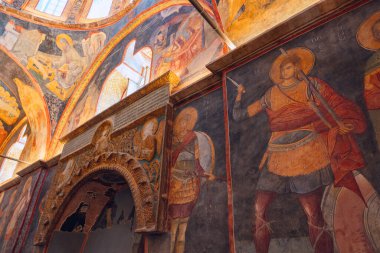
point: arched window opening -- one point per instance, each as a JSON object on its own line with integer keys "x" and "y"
{"x": 99, "y": 9}
{"x": 130, "y": 75}
{"x": 52, "y": 7}
{"x": 8, "y": 166}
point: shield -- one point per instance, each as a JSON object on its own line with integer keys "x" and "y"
{"x": 206, "y": 152}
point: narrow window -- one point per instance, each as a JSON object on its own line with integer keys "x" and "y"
{"x": 52, "y": 7}
{"x": 129, "y": 76}
{"x": 8, "y": 166}
{"x": 99, "y": 9}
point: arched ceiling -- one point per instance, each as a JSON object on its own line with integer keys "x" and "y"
{"x": 80, "y": 14}
{"x": 61, "y": 61}
{"x": 70, "y": 14}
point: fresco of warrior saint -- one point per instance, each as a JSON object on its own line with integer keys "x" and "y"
{"x": 368, "y": 37}
{"x": 312, "y": 144}
{"x": 6, "y": 212}
{"x": 17, "y": 212}
{"x": 192, "y": 163}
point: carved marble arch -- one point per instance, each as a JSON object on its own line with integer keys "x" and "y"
{"x": 122, "y": 163}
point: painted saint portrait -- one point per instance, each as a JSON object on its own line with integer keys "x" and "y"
{"x": 70, "y": 65}
{"x": 148, "y": 140}
{"x": 76, "y": 221}
{"x": 62, "y": 72}
{"x": 368, "y": 37}
{"x": 102, "y": 137}
{"x": 314, "y": 126}
{"x": 6, "y": 212}
{"x": 192, "y": 163}
{"x": 17, "y": 212}
{"x": 65, "y": 176}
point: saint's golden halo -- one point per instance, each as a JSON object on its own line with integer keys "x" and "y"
{"x": 106, "y": 125}
{"x": 305, "y": 56}
{"x": 365, "y": 36}
{"x": 61, "y": 37}
{"x": 190, "y": 114}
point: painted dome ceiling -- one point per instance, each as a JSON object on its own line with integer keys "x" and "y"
{"x": 79, "y": 14}
{"x": 65, "y": 61}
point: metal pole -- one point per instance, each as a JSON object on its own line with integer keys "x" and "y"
{"x": 13, "y": 159}
{"x": 212, "y": 23}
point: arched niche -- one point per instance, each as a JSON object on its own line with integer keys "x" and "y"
{"x": 72, "y": 177}
{"x": 99, "y": 217}
{"x": 8, "y": 166}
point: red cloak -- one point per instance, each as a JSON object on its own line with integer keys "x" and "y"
{"x": 345, "y": 154}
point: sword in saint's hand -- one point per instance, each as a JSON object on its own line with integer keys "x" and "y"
{"x": 318, "y": 95}
{"x": 233, "y": 82}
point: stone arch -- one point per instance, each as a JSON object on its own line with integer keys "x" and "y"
{"x": 121, "y": 163}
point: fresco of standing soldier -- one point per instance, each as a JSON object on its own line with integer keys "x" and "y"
{"x": 193, "y": 161}
{"x": 314, "y": 151}
{"x": 368, "y": 37}
{"x": 197, "y": 203}
{"x": 12, "y": 215}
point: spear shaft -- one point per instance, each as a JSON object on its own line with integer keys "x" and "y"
{"x": 318, "y": 95}
{"x": 233, "y": 81}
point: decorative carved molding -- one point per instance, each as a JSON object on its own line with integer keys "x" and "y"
{"x": 105, "y": 153}
{"x": 167, "y": 79}
{"x": 123, "y": 163}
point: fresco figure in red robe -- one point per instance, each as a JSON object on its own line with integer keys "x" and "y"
{"x": 368, "y": 37}
{"x": 308, "y": 148}
{"x": 193, "y": 162}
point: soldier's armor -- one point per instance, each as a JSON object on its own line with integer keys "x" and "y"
{"x": 185, "y": 183}
{"x": 296, "y": 144}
